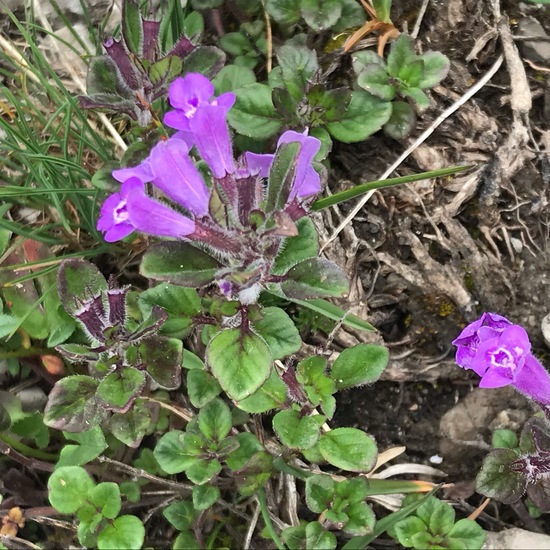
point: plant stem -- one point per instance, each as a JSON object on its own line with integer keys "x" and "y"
{"x": 267, "y": 519}
{"x": 27, "y": 451}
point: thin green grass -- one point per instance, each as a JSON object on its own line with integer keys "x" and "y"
{"x": 48, "y": 148}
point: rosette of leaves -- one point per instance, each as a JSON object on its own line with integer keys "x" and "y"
{"x": 139, "y": 66}
{"x": 297, "y": 96}
{"x": 124, "y": 357}
{"x": 433, "y": 526}
{"x": 404, "y": 76}
{"x": 514, "y": 470}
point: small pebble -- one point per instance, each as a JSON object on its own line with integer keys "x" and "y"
{"x": 436, "y": 459}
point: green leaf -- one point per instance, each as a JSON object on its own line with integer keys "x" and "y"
{"x": 284, "y": 12}
{"x": 401, "y": 122}
{"x": 72, "y": 405}
{"x": 401, "y": 55}
{"x": 382, "y": 9}
{"x": 282, "y": 175}
{"x": 90, "y": 445}
{"x": 279, "y": 332}
{"x": 365, "y": 58}
{"x": 374, "y": 79}
{"x": 241, "y": 362}
{"x": 68, "y": 488}
{"x": 436, "y": 68}
{"x": 503, "y": 438}
{"x": 166, "y": 69}
{"x": 180, "y": 514}
{"x": 294, "y": 537}
{"x": 361, "y": 519}
{"x": 407, "y": 528}
{"x": 102, "y": 76}
{"x": 124, "y": 532}
{"x": 321, "y": 14}
{"x": 207, "y": 60}
{"x": 295, "y": 249}
{"x": 319, "y": 493}
{"x": 353, "y": 15}
{"x": 313, "y": 278}
{"x": 411, "y": 73}
{"x": 176, "y": 452}
{"x": 78, "y": 281}
{"x": 365, "y": 115}
{"x": 359, "y": 365}
{"x": 249, "y": 445}
{"x": 296, "y": 431}
{"x": 162, "y": 359}
{"x": 132, "y": 426}
{"x": 420, "y": 98}
{"x": 298, "y": 66}
{"x": 255, "y": 473}
{"x": 106, "y": 496}
{"x": 203, "y": 471}
{"x": 326, "y": 146}
{"x": 186, "y": 541}
{"x": 205, "y": 496}
{"x": 271, "y": 395}
{"x": 202, "y": 387}
{"x": 497, "y": 480}
{"x": 118, "y": 389}
{"x": 179, "y": 263}
{"x": 317, "y": 538}
{"x": 437, "y": 515}
{"x": 232, "y": 77}
{"x": 253, "y": 114}
{"x": 8, "y": 325}
{"x": 466, "y": 534}
{"x": 215, "y": 420}
{"x": 132, "y": 27}
{"x": 349, "y": 449}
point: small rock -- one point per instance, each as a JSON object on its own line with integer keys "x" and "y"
{"x": 537, "y": 51}
{"x": 517, "y": 245}
{"x": 32, "y": 399}
{"x": 516, "y": 539}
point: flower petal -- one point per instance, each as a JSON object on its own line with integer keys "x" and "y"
{"x": 154, "y": 218}
{"x": 141, "y": 171}
{"x": 177, "y": 176}
{"x": 189, "y": 92}
{"x": 258, "y": 164}
{"x": 496, "y": 378}
{"x": 307, "y": 181}
{"x": 211, "y": 134}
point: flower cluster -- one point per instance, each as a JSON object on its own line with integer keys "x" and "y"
{"x": 230, "y": 211}
{"x": 500, "y": 352}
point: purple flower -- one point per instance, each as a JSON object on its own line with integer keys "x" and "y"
{"x": 132, "y": 209}
{"x": 176, "y": 175}
{"x": 500, "y": 353}
{"x": 205, "y": 118}
{"x": 307, "y": 181}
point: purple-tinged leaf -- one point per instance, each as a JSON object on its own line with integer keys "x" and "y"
{"x": 118, "y": 53}
{"x": 91, "y": 315}
{"x": 112, "y": 102}
{"x": 249, "y": 197}
{"x": 73, "y": 406}
{"x": 182, "y": 47}
{"x": 102, "y": 77}
{"x": 116, "y": 298}
{"x": 282, "y": 175}
{"x": 77, "y": 353}
{"x": 150, "y": 326}
{"x": 119, "y": 389}
{"x": 162, "y": 359}
{"x": 180, "y": 264}
{"x": 78, "y": 281}
{"x": 150, "y": 39}
{"x": 132, "y": 426}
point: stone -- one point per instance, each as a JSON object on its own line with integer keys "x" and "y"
{"x": 537, "y": 51}
{"x": 516, "y": 539}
